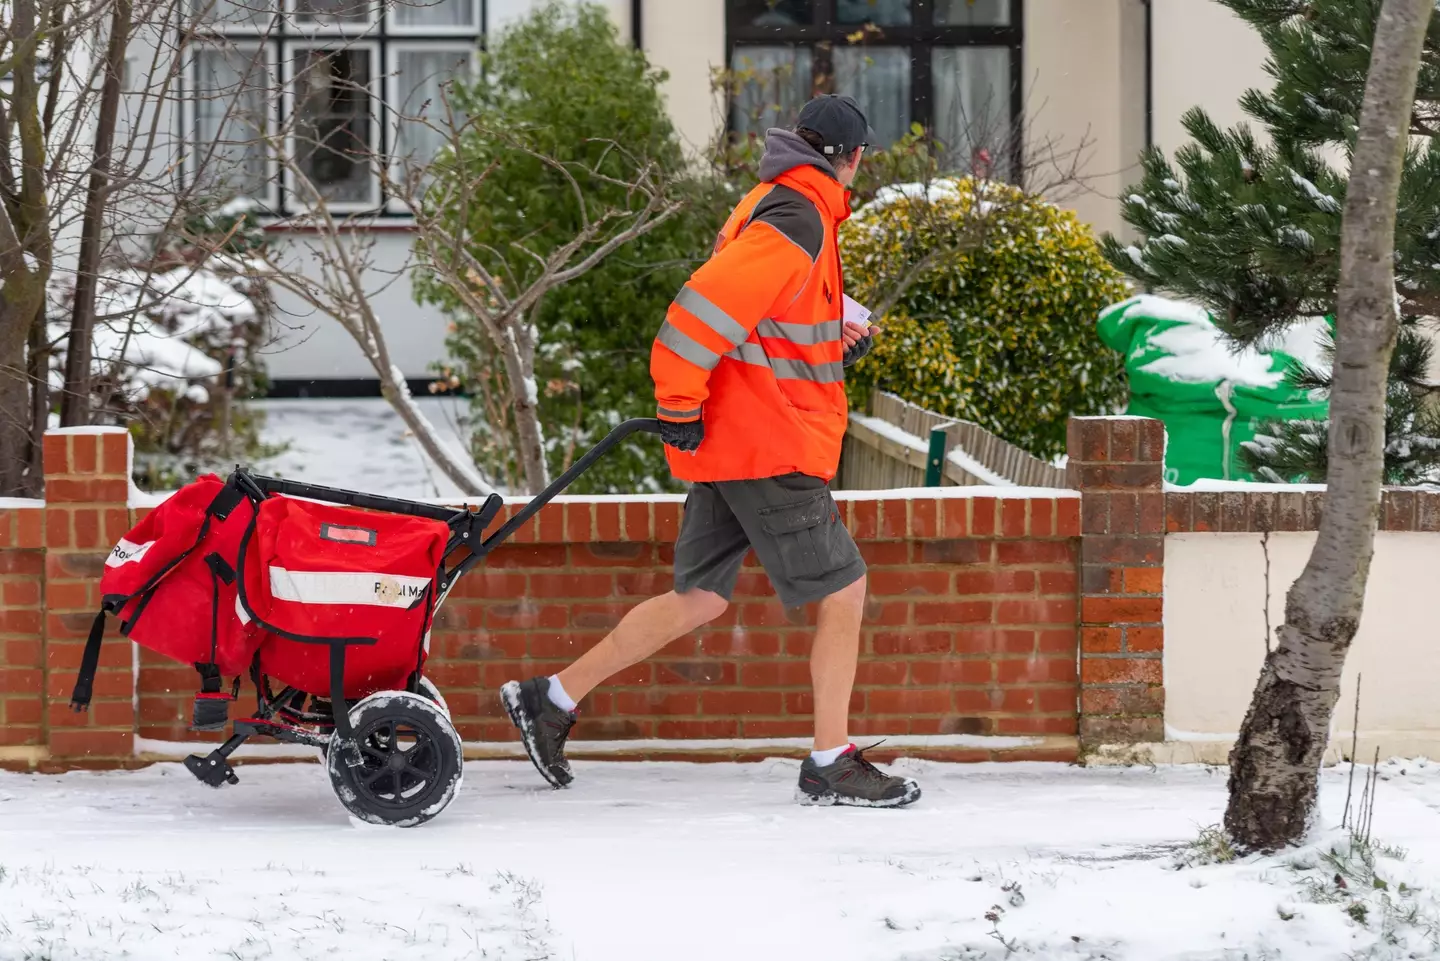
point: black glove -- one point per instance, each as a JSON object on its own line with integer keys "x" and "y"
{"x": 684, "y": 437}
{"x": 861, "y": 348}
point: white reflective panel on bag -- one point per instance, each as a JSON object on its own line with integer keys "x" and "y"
{"x": 365, "y": 588}
{"x": 127, "y": 552}
{"x": 240, "y": 611}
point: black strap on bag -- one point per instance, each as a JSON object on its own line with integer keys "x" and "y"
{"x": 212, "y": 702}
{"x": 211, "y": 710}
{"x": 221, "y": 507}
{"x": 89, "y": 662}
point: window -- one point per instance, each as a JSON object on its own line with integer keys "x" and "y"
{"x": 952, "y": 66}
{"x": 345, "y": 80}
{"x": 230, "y": 108}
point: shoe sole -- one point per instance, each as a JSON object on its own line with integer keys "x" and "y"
{"x": 831, "y": 799}
{"x": 510, "y": 697}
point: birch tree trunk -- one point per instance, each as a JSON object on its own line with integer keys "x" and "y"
{"x": 518, "y": 354}
{"x": 1275, "y": 765}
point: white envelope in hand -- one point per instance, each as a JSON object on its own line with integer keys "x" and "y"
{"x": 855, "y": 312}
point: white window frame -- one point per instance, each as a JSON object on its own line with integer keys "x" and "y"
{"x": 316, "y": 31}
{"x": 475, "y": 31}
{"x": 226, "y": 29}
{"x": 280, "y": 39}
{"x": 294, "y": 204}
{"x": 190, "y": 114}
{"x": 394, "y": 94}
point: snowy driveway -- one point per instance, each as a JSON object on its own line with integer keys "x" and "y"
{"x": 662, "y": 861}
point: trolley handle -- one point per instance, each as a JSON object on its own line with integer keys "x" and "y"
{"x": 647, "y": 425}
{"x": 334, "y": 495}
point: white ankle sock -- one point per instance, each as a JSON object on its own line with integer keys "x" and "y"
{"x": 827, "y": 758}
{"x": 558, "y": 697}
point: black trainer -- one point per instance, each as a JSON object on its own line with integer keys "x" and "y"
{"x": 543, "y": 727}
{"x": 852, "y": 781}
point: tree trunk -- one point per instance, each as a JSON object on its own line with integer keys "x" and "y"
{"x": 1275, "y": 765}
{"x": 39, "y": 373}
{"x": 21, "y": 299}
{"x": 518, "y": 353}
{"x": 75, "y": 403}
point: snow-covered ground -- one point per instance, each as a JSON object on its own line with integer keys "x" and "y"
{"x": 694, "y": 862}
{"x": 359, "y": 444}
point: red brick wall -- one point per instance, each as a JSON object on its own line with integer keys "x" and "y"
{"x": 969, "y": 629}
{"x": 1118, "y": 466}
{"x": 22, "y": 591}
{"x": 973, "y": 624}
{"x": 59, "y": 549}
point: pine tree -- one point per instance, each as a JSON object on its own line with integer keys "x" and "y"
{"x": 1249, "y": 225}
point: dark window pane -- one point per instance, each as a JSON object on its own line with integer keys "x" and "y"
{"x": 880, "y": 12}
{"x": 879, "y": 79}
{"x": 772, "y": 13}
{"x": 973, "y": 13}
{"x": 333, "y": 135}
{"x": 771, "y": 84}
{"x": 972, "y": 107}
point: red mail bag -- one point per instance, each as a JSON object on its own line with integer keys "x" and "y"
{"x": 340, "y": 590}
{"x": 172, "y": 581}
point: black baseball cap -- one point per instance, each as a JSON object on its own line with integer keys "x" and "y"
{"x": 839, "y": 121}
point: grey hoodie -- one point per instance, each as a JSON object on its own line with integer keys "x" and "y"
{"x": 786, "y": 150}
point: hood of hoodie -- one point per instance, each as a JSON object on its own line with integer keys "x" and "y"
{"x": 787, "y": 155}
{"x": 785, "y": 150}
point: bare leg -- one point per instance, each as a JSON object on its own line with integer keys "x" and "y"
{"x": 640, "y": 633}
{"x": 832, "y": 664}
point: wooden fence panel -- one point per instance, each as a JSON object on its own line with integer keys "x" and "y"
{"x": 887, "y": 449}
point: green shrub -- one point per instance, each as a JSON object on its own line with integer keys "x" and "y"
{"x": 1000, "y": 328}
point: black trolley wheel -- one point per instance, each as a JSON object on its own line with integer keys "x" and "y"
{"x": 428, "y": 690}
{"x": 410, "y": 760}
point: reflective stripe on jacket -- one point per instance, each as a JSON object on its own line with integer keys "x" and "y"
{"x": 752, "y": 343}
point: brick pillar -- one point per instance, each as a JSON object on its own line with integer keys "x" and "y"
{"x": 22, "y": 568}
{"x": 1117, "y": 464}
{"x": 87, "y": 473}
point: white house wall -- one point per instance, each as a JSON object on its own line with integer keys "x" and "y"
{"x": 307, "y": 345}
{"x": 1084, "y": 83}
{"x": 1204, "y": 56}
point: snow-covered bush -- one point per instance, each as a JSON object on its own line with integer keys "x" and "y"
{"x": 175, "y": 352}
{"x": 995, "y": 318}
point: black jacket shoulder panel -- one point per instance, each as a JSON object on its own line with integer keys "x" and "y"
{"x": 791, "y": 213}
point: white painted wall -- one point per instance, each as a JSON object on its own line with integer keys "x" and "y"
{"x": 1205, "y": 56}
{"x": 1215, "y": 641}
{"x": 306, "y": 344}
{"x": 688, "y": 40}
{"x": 1084, "y": 82}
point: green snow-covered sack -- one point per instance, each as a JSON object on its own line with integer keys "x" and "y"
{"x": 1211, "y": 396}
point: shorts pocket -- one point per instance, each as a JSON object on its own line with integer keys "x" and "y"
{"x": 802, "y": 535}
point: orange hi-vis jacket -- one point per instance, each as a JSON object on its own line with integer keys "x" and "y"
{"x": 752, "y": 343}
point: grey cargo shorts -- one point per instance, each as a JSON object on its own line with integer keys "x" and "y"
{"x": 791, "y": 521}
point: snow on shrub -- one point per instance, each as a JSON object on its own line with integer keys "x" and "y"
{"x": 997, "y": 325}
{"x": 174, "y": 346}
